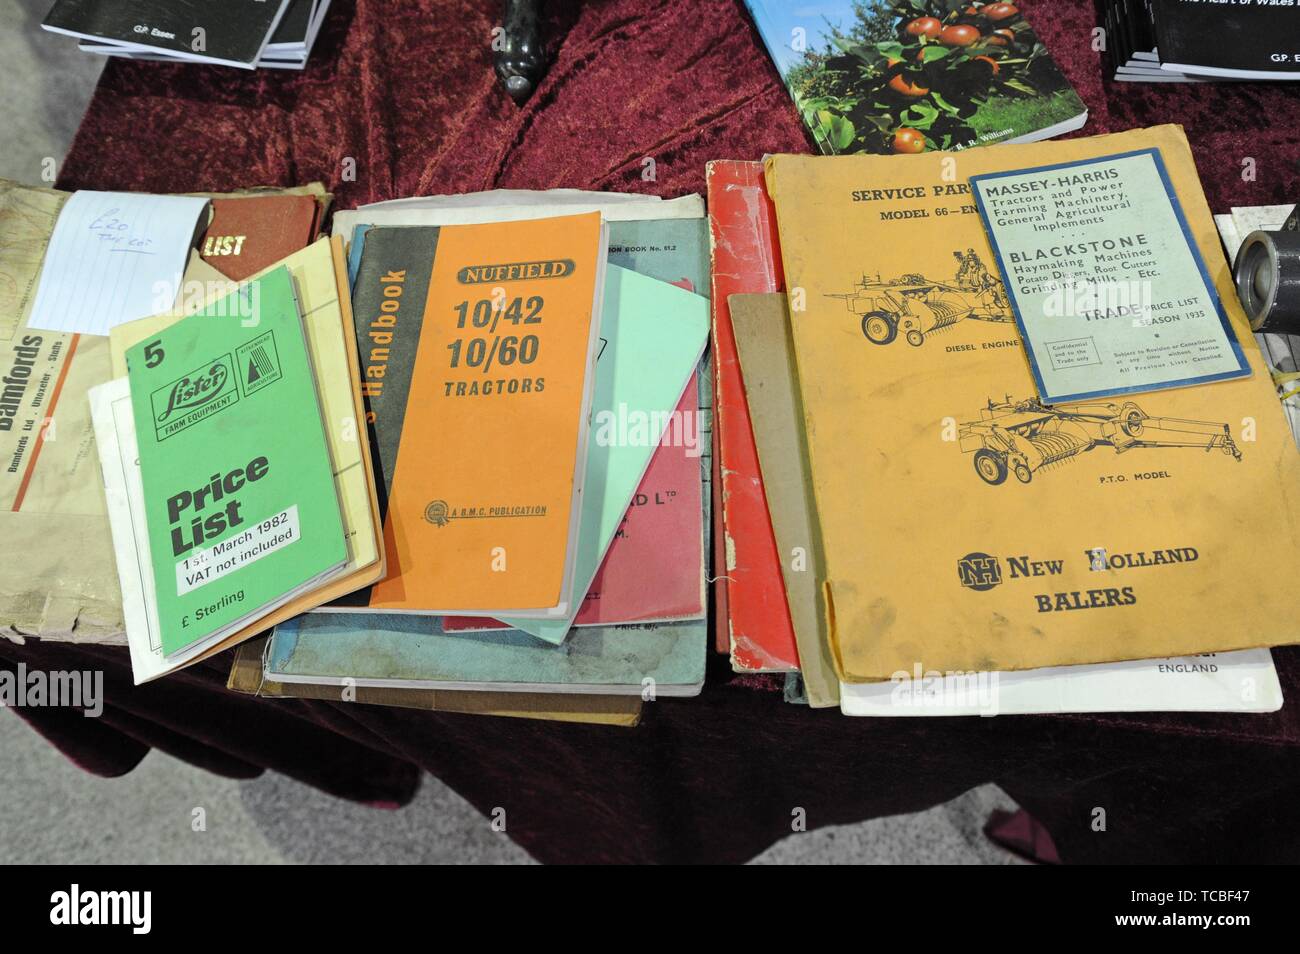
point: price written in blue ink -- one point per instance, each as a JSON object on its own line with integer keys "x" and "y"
{"x": 115, "y": 232}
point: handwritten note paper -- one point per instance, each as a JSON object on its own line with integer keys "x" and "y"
{"x": 114, "y": 257}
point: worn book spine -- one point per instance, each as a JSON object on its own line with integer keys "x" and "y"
{"x": 387, "y": 334}
{"x": 388, "y": 311}
{"x": 746, "y": 259}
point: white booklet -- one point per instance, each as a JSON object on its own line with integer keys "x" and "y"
{"x": 513, "y": 205}
{"x": 119, "y": 458}
{"x": 1242, "y": 681}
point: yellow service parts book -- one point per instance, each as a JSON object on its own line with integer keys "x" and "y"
{"x": 969, "y": 526}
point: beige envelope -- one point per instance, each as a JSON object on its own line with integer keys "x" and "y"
{"x": 52, "y": 518}
{"x": 52, "y": 507}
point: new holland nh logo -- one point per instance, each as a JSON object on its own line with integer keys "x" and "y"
{"x": 981, "y": 572}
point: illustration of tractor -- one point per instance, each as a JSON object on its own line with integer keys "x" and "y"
{"x": 1024, "y": 437}
{"x": 919, "y": 307}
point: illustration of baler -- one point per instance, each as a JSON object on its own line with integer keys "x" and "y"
{"x": 1024, "y": 437}
{"x": 920, "y": 307}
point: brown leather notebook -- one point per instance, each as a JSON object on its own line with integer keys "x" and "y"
{"x": 249, "y": 234}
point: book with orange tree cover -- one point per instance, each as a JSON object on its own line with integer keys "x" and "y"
{"x": 906, "y": 76}
{"x": 477, "y": 345}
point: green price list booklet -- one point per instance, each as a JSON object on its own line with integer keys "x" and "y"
{"x": 240, "y": 501}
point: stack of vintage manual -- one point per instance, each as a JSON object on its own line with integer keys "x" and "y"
{"x": 544, "y": 519}
{"x": 992, "y": 436}
{"x": 71, "y": 278}
{"x": 496, "y": 478}
{"x": 985, "y": 495}
{"x": 220, "y": 525}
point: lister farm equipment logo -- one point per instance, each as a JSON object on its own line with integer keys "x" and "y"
{"x": 198, "y": 395}
{"x": 979, "y": 571}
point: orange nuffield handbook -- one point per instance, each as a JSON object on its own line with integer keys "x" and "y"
{"x": 483, "y": 503}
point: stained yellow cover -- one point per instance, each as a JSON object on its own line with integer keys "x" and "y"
{"x": 1165, "y": 524}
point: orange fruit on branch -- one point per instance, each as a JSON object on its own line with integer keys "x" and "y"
{"x": 907, "y": 140}
{"x": 959, "y": 35}
{"x": 901, "y": 84}
{"x": 928, "y": 27}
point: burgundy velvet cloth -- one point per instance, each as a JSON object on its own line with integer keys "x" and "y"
{"x": 400, "y": 99}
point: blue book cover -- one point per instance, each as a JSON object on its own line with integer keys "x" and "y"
{"x": 404, "y": 650}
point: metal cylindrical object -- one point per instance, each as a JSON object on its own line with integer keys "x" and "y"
{"x": 1267, "y": 273}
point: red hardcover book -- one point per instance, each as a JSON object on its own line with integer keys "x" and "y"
{"x": 721, "y": 637}
{"x": 746, "y": 259}
{"x": 653, "y": 571}
{"x": 248, "y": 234}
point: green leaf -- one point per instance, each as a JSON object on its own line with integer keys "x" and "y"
{"x": 943, "y": 103}
{"x": 834, "y": 130}
{"x": 921, "y": 113}
{"x": 933, "y": 52}
{"x": 890, "y": 50}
